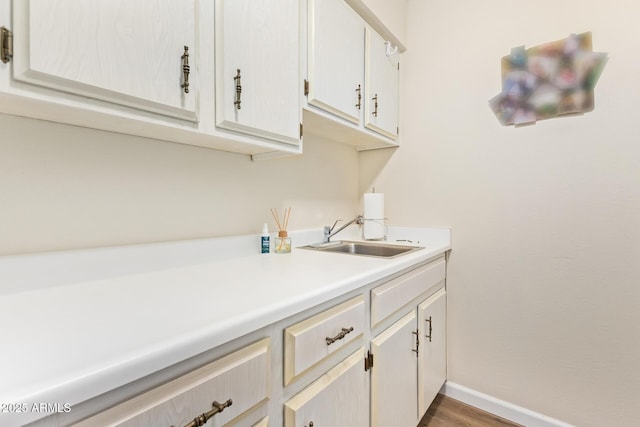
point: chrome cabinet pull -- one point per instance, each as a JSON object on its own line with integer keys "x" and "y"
{"x": 417, "y": 334}
{"x": 429, "y": 335}
{"x": 185, "y": 69}
{"x": 340, "y": 335}
{"x": 375, "y": 105}
{"x": 201, "y": 420}
{"x": 359, "y": 92}
{"x": 238, "y": 83}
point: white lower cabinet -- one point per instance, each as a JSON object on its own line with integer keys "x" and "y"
{"x": 409, "y": 364}
{"x": 406, "y": 365}
{"x": 409, "y": 356}
{"x": 339, "y": 398}
{"x": 432, "y": 358}
{"x": 394, "y": 376}
{"x": 376, "y": 357}
{"x": 214, "y": 394}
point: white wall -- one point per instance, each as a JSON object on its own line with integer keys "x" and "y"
{"x": 393, "y": 14}
{"x": 64, "y": 187}
{"x": 544, "y": 279}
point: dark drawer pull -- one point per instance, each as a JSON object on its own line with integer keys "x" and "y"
{"x": 185, "y": 69}
{"x": 201, "y": 420}
{"x": 430, "y": 330}
{"x": 338, "y": 337}
{"x": 238, "y": 82}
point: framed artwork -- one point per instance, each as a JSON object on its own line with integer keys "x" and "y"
{"x": 550, "y": 80}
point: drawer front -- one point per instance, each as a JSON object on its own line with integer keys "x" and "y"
{"x": 310, "y": 341}
{"x": 263, "y": 423}
{"x": 243, "y": 377}
{"x": 339, "y": 398}
{"x": 393, "y": 295}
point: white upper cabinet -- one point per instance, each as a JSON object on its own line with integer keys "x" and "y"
{"x": 381, "y": 86}
{"x": 222, "y": 74}
{"x": 257, "y": 55}
{"x": 335, "y": 59}
{"x": 129, "y": 53}
{"x": 123, "y": 66}
{"x": 352, "y": 78}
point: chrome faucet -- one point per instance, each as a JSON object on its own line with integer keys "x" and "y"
{"x": 328, "y": 230}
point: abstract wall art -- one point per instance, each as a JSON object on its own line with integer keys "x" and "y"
{"x": 550, "y": 80}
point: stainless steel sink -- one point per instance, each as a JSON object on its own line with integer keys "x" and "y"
{"x": 382, "y": 250}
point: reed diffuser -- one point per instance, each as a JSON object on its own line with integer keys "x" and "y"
{"x": 282, "y": 243}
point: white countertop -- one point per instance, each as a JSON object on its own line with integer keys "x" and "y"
{"x": 77, "y": 324}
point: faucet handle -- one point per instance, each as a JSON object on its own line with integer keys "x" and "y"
{"x": 334, "y": 225}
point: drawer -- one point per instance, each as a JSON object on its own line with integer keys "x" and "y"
{"x": 263, "y": 423}
{"x": 395, "y": 294}
{"x": 339, "y": 398}
{"x": 242, "y": 377}
{"x": 310, "y": 341}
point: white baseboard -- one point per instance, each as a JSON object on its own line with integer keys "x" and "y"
{"x": 501, "y": 408}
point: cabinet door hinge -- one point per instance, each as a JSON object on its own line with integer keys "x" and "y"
{"x": 301, "y": 130}
{"x": 368, "y": 361}
{"x": 306, "y": 87}
{"x": 6, "y": 45}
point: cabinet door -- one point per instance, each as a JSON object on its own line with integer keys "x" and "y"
{"x": 432, "y": 360}
{"x": 336, "y": 58}
{"x": 121, "y": 51}
{"x": 382, "y": 87}
{"x": 339, "y": 398}
{"x": 257, "y": 68}
{"x": 394, "y": 375}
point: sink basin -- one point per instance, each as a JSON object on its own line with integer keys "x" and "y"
{"x": 382, "y": 250}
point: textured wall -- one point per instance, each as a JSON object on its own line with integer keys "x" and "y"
{"x": 544, "y": 279}
{"x": 393, "y": 14}
{"x": 64, "y": 187}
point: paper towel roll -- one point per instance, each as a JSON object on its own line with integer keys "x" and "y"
{"x": 373, "y": 227}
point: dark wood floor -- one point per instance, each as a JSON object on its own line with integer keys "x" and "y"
{"x": 447, "y": 412}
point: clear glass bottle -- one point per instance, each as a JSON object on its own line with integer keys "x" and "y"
{"x": 282, "y": 243}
